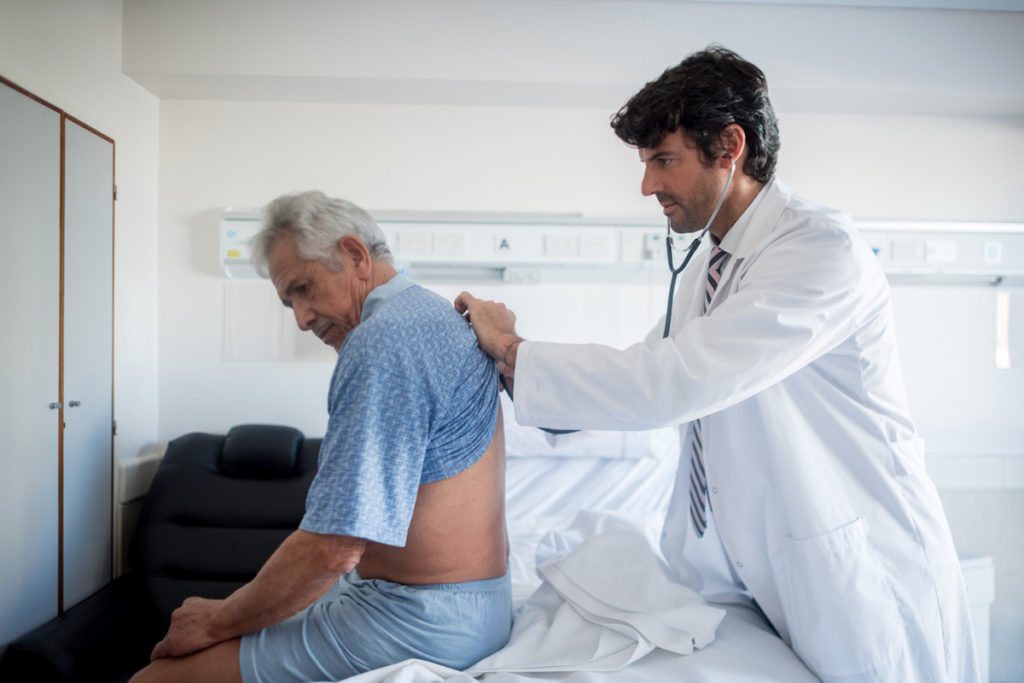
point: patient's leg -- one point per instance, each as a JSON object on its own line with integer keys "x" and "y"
{"x": 217, "y": 664}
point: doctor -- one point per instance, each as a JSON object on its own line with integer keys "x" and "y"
{"x": 802, "y": 483}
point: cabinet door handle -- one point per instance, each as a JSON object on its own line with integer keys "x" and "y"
{"x": 74, "y": 404}
{"x": 54, "y": 405}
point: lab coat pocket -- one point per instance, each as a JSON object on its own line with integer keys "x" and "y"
{"x": 839, "y": 606}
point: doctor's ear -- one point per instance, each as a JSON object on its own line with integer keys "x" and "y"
{"x": 733, "y": 141}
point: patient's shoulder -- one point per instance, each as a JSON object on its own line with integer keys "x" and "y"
{"x": 421, "y": 322}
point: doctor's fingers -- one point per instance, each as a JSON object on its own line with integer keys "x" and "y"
{"x": 495, "y": 314}
{"x": 464, "y": 301}
{"x": 485, "y": 313}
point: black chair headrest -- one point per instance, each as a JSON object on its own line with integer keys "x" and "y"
{"x": 260, "y": 452}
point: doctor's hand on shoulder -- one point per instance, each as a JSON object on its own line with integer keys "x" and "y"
{"x": 495, "y": 328}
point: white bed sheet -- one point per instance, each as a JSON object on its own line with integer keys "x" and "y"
{"x": 545, "y": 495}
{"x": 554, "y": 503}
{"x": 745, "y": 650}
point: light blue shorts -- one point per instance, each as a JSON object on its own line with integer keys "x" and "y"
{"x": 364, "y": 624}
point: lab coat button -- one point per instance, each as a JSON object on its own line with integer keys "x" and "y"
{"x": 714, "y": 489}
{"x": 739, "y": 565}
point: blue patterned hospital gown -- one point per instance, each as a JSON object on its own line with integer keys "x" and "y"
{"x": 413, "y": 400}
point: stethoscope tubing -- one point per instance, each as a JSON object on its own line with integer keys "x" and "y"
{"x": 692, "y": 250}
{"x": 671, "y": 288}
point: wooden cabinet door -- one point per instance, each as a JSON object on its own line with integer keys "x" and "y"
{"x": 29, "y": 360}
{"x": 88, "y": 358}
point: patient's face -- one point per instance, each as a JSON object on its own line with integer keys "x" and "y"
{"x": 325, "y": 300}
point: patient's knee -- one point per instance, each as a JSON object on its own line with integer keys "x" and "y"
{"x": 149, "y": 674}
{"x": 216, "y": 664}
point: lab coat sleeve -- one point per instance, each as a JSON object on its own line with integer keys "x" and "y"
{"x": 796, "y": 297}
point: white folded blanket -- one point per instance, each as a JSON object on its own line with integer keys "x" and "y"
{"x": 602, "y": 606}
{"x": 605, "y": 602}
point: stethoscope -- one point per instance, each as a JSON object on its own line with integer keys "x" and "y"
{"x": 693, "y": 247}
{"x": 672, "y": 285}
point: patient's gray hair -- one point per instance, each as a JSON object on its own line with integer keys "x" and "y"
{"x": 316, "y": 222}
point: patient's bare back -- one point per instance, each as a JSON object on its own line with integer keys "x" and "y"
{"x": 457, "y": 532}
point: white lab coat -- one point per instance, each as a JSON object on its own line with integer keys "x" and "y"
{"x": 815, "y": 472}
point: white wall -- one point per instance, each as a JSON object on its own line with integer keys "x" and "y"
{"x": 216, "y": 154}
{"x": 69, "y": 53}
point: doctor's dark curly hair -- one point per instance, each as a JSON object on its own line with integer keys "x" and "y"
{"x": 702, "y": 95}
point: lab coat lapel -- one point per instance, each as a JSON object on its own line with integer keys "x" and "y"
{"x": 759, "y": 220}
{"x": 750, "y": 230}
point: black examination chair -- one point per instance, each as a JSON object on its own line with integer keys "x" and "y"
{"x": 218, "y": 507}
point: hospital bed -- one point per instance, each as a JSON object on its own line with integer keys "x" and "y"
{"x": 566, "y": 490}
{"x": 206, "y": 526}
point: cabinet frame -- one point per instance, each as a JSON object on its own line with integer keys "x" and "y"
{"x": 65, "y": 118}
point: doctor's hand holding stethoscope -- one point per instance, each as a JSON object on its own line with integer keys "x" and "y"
{"x": 494, "y": 323}
{"x": 495, "y": 327}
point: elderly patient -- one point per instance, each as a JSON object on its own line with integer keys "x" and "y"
{"x": 407, "y": 506}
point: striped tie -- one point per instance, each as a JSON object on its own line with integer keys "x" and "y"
{"x": 698, "y": 480}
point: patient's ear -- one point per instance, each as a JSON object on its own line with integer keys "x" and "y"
{"x": 354, "y": 250}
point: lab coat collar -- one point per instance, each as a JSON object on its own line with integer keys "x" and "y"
{"x": 760, "y": 218}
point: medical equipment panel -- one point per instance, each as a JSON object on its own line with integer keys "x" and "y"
{"x": 534, "y": 248}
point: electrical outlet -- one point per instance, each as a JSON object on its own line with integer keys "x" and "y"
{"x": 521, "y": 276}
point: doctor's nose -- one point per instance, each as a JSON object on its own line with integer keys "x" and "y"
{"x": 648, "y": 184}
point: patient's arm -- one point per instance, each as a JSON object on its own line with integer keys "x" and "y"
{"x": 300, "y": 571}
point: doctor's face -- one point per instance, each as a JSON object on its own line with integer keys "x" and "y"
{"x": 326, "y": 299}
{"x": 686, "y": 189}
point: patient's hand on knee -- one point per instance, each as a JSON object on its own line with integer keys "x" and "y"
{"x": 191, "y": 629}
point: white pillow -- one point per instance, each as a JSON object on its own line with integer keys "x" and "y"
{"x": 531, "y": 441}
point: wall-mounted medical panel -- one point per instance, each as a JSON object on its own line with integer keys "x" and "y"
{"x": 949, "y": 253}
{"x": 528, "y": 248}
{"x": 237, "y": 228}
{"x": 498, "y": 247}
{"x": 503, "y": 243}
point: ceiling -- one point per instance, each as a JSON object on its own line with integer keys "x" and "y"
{"x": 995, "y": 5}
{"x": 906, "y": 57}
